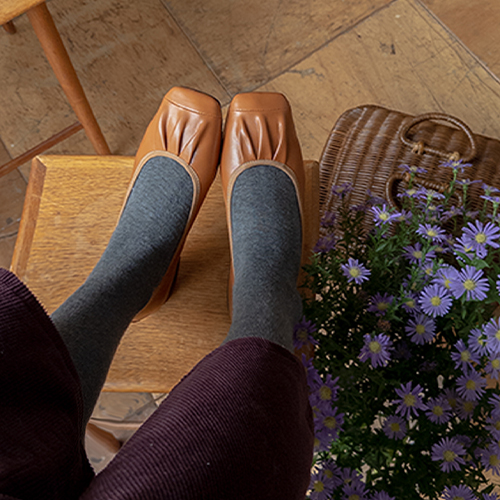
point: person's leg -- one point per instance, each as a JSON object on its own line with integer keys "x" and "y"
{"x": 266, "y": 247}
{"x": 239, "y": 425}
{"x": 175, "y": 165}
{"x": 41, "y": 421}
{"x": 262, "y": 172}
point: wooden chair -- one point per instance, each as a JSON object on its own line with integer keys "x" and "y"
{"x": 71, "y": 209}
{"x": 51, "y": 42}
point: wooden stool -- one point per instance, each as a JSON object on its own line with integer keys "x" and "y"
{"x": 71, "y": 209}
{"x": 52, "y": 45}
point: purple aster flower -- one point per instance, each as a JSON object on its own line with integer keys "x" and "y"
{"x": 493, "y": 366}
{"x": 350, "y": 476}
{"x": 493, "y": 425}
{"x": 355, "y": 491}
{"x": 332, "y": 471}
{"x": 467, "y": 182}
{"x": 477, "y": 342}
{"x": 491, "y": 496}
{"x": 373, "y": 199}
{"x": 322, "y": 442}
{"x": 456, "y": 165}
{"x": 438, "y": 410}
{"x": 471, "y": 386}
{"x": 325, "y": 393}
{"x": 479, "y": 235}
{"x": 421, "y": 329}
{"x": 431, "y": 232}
{"x": 395, "y": 427}
{"x": 464, "y": 440}
{"x": 428, "y": 268}
{"x": 382, "y": 495}
{"x": 415, "y": 254}
{"x": 495, "y": 402}
{"x": 498, "y": 285}
{"x": 435, "y": 300}
{"x": 460, "y": 247}
{"x": 410, "y": 304}
{"x": 458, "y": 493}
{"x": 465, "y": 409}
{"x": 325, "y": 244}
{"x": 413, "y": 169}
{"x": 445, "y": 276}
{"x": 429, "y": 194}
{"x": 471, "y": 282}
{"x": 302, "y": 333}
{"x": 321, "y": 486}
{"x": 354, "y": 271}
{"x": 313, "y": 377}
{"x": 377, "y": 349}
{"x": 382, "y": 215}
{"x": 380, "y": 303}
{"x": 342, "y": 190}
{"x": 328, "y": 219}
{"x": 492, "y": 332}
{"x": 328, "y": 422}
{"x": 404, "y": 216}
{"x": 409, "y": 193}
{"x": 450, "y": 451}
{"x": 453, "y": 211}
{"x": 409, "y": 400}
{"x": 463, "y": 357}
{"x": 489, "y": 189}
{"x": 490, "y": 458}
{"x": 452, "y": 397}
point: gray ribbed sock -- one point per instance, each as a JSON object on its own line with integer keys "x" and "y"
{"x": 267, "y": 244}
{"x": 92, "y": 320}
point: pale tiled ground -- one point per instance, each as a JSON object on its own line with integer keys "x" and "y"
{"x": 326, "y": 55}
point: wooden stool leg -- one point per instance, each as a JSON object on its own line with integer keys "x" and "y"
{"x": 10, "y": 27}
{"x": 51, "y": 42}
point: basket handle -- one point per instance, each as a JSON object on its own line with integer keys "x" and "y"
{"x": 421, "y": 148}
{"x": 391, "y": 186}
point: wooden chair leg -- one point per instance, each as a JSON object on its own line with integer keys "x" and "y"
{"x": 58, "y": 57}
{"x": 10, "y": 27}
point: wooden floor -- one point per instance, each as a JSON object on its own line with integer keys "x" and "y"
{"x": 325, "y": 55}
{"x": 128, "y": 54}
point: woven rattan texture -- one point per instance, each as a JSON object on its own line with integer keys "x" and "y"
{"x": 364, "y": 149}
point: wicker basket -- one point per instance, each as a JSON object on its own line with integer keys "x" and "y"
{"x": 368, "y": 143}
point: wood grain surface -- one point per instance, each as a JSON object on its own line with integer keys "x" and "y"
{"x": 127, "y": 55}
{"x": 9, "y": 9}
{"x": 247, "y": 44}
{"x": 476, "y": 24}
{"x": 402, "y": 58}
{"x": 71, "y": 209}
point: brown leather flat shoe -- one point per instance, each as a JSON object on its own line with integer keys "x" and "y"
{"x": 259, "y": 131}
{"x": 187, "y": 128}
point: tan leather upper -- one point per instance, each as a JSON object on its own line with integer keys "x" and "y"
{"x": 188, "y": 124}
{"x": 259, "y": 126}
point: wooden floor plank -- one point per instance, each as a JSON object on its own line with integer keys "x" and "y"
{"x": 477, "y": 24}
{"x": 12, "y": 191}
{"x": 249, "y": 43}
{"x": 401, "y": 58}
{"x": 7, "y": 244}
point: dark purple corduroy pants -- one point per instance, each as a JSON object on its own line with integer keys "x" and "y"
{"x": 238, "y": 426}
